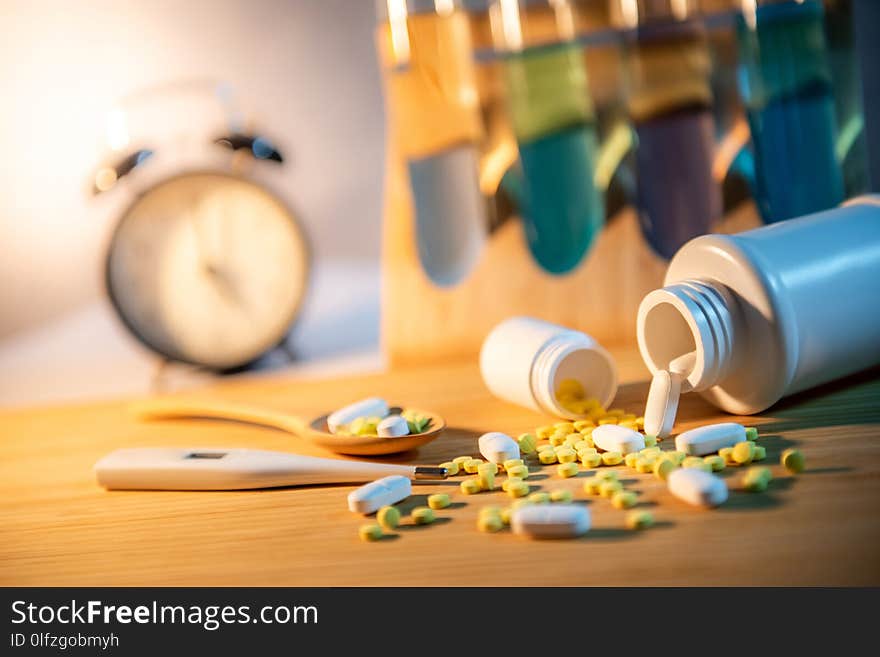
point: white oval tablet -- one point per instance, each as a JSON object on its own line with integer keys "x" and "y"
{"x": 710, "y": 438}
{"x": 662, "y": 403}
{"x": 498, "y": 447}
{"x": 614, "y": 438}
{"x": 551, "y": 521}
{"x": 393, "y": 426}
{"x": 697, "y": 487}
{"x": 372, "y": 407}
{"x": 376, "y": 494}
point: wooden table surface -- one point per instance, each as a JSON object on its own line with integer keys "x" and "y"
{"x": 57, "y": 527}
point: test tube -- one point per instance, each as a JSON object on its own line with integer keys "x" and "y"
{"x": 785, "y": 82}
{"x": 554, "y": 124}
{"x": 669, "y": 101}
{"x": 432, "y": 100}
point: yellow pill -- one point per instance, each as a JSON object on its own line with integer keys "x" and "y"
{"x": 588, "y": 438}
{"x": 591, "y": 459}
{"x": 715, "y": 462}
{"x": 561, "y": 495}
{"x": 727, "y": 454}
{"x": 743, "y": 452}
{"x": 645, "y": 464}
{"x": 388, "y": 517}
{"x": 422, "y": 515}
{"x": 570, "y": 387}
{"x": 558, "y": 439}
{"x": 696, "y": 463}
{"x": 760, "y": 453}
{"x": 678, "y": 457}
{"x": 566, "y": 456}
{"x": 580, "y": 425}
{"x": 509, "y": 482}
{"x": 751, "y": 434}
{"x": 567, "y": 469}
{"x": 486, "y": 476}
{"x": 520, "y": 471}
{"x": 526, "y": 442}
{"x": 520, "y": 489}
{"x": 608, "y": 419}
{"x": 567, "y": 427}
{"x": 793, "y": 460}
{"x": 488, "y": 465}
{"x": 470, "y": 486}
{"x": 592, "y": 485}
{"x": 490, "y": 523}
{"x": 612, "y": 458}
{"x": 623, "y": 499}
{"x": 572, "y": 439}
{"x": 608, "y": 488}
{"x": 451, "y": 468}
{"x": 547, "y": 457}
{"x": 597, "y": 412}
{"x": 639, "y": 519}
{"x": 471, "y": 466}
{"x": 461, "y": 460}
{"x": 650, "y": 440}
{"x": 630, "y": 459}
{"x": 607, "y": 475}
{"x": 616, "y": 412}
{"x": 545, "y": 447}
{"x": 505, "y": 515}
{"x": 510, "y": 463}
{"x": 490, "y": 510}
{"x": 545, "y": 432}
{"x": 539, "y": 498}
{"x": 663, "y": 466}
{"x": 641, "y": 422}
{"x": 371, "y": 532}
{"x": 756, "y": 479}
{"x": 439, "y": 501}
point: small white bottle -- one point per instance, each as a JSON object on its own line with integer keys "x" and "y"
{"x": 771, "y": 311}
{"x": 523, "y": 360}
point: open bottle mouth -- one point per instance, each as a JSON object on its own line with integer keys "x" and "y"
{"x": 689, "y": 317}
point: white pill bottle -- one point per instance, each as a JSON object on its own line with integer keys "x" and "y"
{"x": 523, "y": 360}
{"x": 771, "y": 311}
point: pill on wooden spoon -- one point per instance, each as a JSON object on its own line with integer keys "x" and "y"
{"x": 392, "y": 427}
{"x": 371, "y": 407}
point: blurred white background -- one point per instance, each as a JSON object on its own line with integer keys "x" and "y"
{"x": 306, "y": 69}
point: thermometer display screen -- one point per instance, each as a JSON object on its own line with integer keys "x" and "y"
{"x": 206, "y": 455}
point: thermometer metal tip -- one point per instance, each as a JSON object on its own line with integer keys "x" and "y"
{"x": 430, "y": 472}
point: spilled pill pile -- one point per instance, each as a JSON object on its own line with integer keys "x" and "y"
{"x": 595, "y": 448}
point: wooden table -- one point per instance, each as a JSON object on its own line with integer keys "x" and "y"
{"x": 57, "y": 527}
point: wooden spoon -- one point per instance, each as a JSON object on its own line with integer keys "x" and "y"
{"x": 315, "y": 431}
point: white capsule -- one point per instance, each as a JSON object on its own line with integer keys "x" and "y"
{"x": 697, "y": 487}
{"x": 376, "y": 494}
{"x": 392, "y": 427}
{"x": 372, "y": 407}
{"x": 551, "y": 521}
{"x": 498, "y": 447}
{"x": 710, "y": 438}
{"x": 614, "y": 438}
{"x": 662, "y": 403}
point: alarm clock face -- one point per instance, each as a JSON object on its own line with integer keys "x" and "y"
{"x": 208, "y": 268}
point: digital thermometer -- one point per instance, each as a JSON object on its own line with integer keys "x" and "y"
{"x": 200, "y": 468}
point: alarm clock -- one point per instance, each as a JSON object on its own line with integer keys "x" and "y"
{"x": 206, "y": 263}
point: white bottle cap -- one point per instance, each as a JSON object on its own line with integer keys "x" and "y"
{"x": 523, "y": 360}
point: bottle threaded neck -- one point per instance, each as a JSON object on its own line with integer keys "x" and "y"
{"x": 692, "y": 315}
